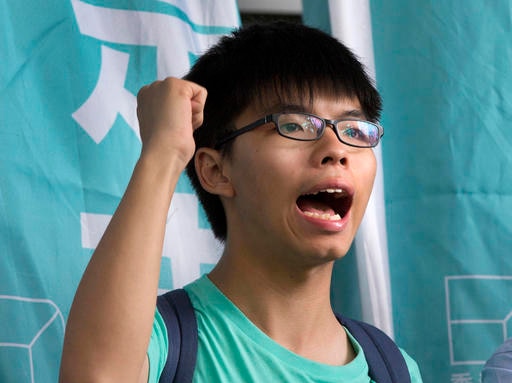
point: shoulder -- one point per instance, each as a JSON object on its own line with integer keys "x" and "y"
{"x": 414, "y": 370}
{"x": 380, "y": 349}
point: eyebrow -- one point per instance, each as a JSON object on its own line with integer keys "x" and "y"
{"x": 290, "y": 108}
{"x": 354, "y": 113}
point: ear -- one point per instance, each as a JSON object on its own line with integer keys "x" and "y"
{"x": 211, "y": 169}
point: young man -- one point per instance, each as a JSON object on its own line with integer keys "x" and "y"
{"x": 282, "y": 162}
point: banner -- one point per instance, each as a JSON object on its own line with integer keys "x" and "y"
{"x": 68, "y": 142}
{"x": 444, "y": 71}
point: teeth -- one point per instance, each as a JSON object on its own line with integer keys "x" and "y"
{"x": 331, "y": 191}
{"x": 326, "y": 216}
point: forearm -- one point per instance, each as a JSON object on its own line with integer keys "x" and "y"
{"x": 110, "y": 321}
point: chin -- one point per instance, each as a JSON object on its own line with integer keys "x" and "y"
{"x": 320, "y": 256}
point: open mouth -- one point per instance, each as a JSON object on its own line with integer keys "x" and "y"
{"x": 327, "y": 204}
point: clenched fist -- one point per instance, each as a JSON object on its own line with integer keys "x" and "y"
{"x": 168, "y": 111}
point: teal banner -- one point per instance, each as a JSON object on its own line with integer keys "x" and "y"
{"x": 444, "y": 72}
{"x": 69, "y": 75}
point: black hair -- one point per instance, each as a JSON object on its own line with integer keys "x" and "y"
{"x": 273, "y": 60}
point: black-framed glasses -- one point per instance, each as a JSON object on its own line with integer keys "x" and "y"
{"x": 308, "y": 127}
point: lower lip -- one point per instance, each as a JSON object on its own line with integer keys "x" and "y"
{"x": 327, "y": 225}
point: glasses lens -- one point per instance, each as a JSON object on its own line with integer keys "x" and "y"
{"x": 300, "y": 126}
{"x": 358, "y": 133}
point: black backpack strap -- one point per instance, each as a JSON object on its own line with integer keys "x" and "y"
{"x": 180, "y": 320}
{"x": 385, "y": 361}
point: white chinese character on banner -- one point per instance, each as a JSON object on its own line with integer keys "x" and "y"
{"x": 109, "y": 98}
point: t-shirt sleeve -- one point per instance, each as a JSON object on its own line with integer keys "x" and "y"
{"x": 157, "y": 349}
{"x": 414, "y": 370}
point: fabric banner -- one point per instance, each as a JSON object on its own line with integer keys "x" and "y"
{"x": 443, "y": 69}
{"x": 68, "y": 142}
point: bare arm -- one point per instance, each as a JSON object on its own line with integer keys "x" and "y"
{"x": 110, "y": 322}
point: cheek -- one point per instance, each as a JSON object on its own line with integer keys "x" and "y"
{"x": 258, "y": 165}
{"x": 250, "y": 173}
{"x": 263, "y": 178}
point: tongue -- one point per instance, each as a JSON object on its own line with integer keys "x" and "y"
{"x": 314, "y": 206}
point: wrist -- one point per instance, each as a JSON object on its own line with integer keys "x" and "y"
{"x": 161, "y": 167}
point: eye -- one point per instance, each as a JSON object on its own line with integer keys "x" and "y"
{"x": 290, "y": 128}
{"x": 294, "y": 124}
{"x": 352, "y": 130}
{"x": 300, "y": 126}
{"x": 354, "y": 133}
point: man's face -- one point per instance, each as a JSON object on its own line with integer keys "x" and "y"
{"x": 297, "y": 199}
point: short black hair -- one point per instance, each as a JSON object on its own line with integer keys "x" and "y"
{"x": 277, "y": 59}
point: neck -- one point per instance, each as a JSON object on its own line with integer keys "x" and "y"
{"x": 245, "y": 275}
{"x": 290, "y": 303}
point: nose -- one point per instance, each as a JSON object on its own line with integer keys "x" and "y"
{"x": 331, "y": 150}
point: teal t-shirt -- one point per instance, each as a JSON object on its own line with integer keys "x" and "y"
{"x": 232, "y": 349}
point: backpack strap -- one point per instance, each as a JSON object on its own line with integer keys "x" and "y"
{"x": 178, "y": 314}
{"x": 385, "y": 360}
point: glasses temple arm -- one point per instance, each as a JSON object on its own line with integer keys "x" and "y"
{"x": 243, "y": 130}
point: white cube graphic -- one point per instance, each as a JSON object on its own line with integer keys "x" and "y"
{"x": 31, "y": 338}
